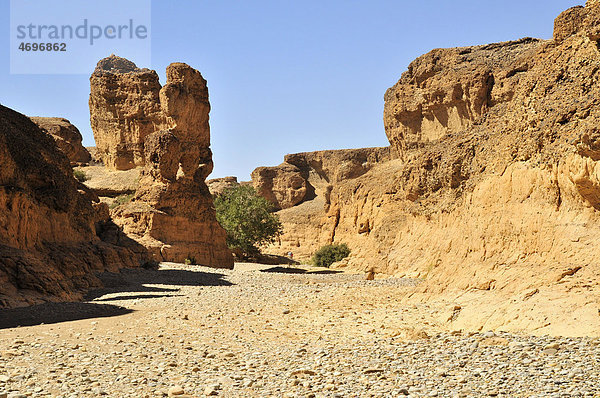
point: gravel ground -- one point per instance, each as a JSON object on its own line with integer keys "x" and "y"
{"x": 273, "y": 332}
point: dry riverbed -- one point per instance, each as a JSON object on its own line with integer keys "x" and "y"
{"x": 260, "y": 331}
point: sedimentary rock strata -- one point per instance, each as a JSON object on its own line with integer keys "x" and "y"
{"x": 66, "y": 136}
{"x": 50, "y": 231}
{"x": 172, "y": 212}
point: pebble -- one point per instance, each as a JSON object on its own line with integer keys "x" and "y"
{"x": 175, "y": 391}
{"x": 236, "y": 342}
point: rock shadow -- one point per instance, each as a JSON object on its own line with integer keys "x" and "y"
{"x": 270, "y": 259}
{"x": 136, "y": 297}
{"x": 135, "y": 281}
{"x": 291, "y": 270}
{"x": 50, "y": 313}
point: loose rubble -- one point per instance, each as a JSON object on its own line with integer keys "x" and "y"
{"x": 196, "y": 331}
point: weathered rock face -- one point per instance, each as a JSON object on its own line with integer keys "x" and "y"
{"x": 302, "y": 184}
{"x": 217, "y": 186}
{"x": 50, "y": 244}
{"x": 124, "y": 109}
{"x": 284, "y": 185}
{"x": 494, "y": 198}
{"x": 66, "y": 136}
{"x": 172, "y": 213}
{"x": 449, "y": 90}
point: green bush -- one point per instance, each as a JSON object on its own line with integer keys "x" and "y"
{"x": 329, "y": 254}
{"x": 121, "y": 199}
{"x": 247, "y": 218}
{"x": 80, "y": 175}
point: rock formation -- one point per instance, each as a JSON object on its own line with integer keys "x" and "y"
{"x": 302, "y": 185}
{"x": 124, "y": 109}
{"x": 138, "y": 122}
{"x": 50, "y": 231}
{"x": 283, "y": 185}
{"x": 449, "y": 90}
{"x": 289, "y": 184}
{"x": 493, "y": 195}
{"x": 66, "y": 136}
{"x": 217, "y": 186}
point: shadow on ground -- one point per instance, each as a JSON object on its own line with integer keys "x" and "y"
{"x": 268, "y": 259}
{"x": 130, "y": 281}
{"x": 134, "y": 281}
{"x": 57, "y": 312}
{"x": 291, "y": 270}
{"x": 136, "y": 297}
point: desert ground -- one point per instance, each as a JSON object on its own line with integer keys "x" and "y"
{"x": 273, "y": 331}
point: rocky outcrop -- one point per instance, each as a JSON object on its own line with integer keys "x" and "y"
{"x": 172, "y": 212}
{"x": 50, "y": 231}
{"x": 217, "y": 186}
{"x": 66, "y": 136}
{"x": 303, "y": 176}
{"x": 449, "y": 90}
{"x": 284, "y": 185}
{"x": 124, "y": 109}
{"x": 301, "y": 187}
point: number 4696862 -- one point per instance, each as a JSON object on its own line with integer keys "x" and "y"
{"x": 43, "y": 47}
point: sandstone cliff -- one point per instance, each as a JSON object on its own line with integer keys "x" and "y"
{"x": 166, "y": 130}
{"x": 50, "y": 231}
{"x": 493, "y": 196}
{"x": 66, "y": 136}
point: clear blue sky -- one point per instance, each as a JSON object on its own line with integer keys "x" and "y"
{"x": 290, "y": 76}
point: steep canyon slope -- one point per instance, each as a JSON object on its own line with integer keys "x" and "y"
{"x": 493, "y": 195}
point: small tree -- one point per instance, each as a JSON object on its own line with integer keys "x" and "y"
{"x": 329, "y": 254}
{"x": 247, "y": 218}
{"x": 80, "y": 175}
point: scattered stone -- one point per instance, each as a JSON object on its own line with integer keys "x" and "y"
{"x": 175, "y": 391}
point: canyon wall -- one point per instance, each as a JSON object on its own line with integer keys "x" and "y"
{"x": 54, "y": 234}
{"x": 492, "y": 198}
{"x": 301, "y": 186}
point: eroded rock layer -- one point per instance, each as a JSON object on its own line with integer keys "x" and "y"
{"x": 124, "y": 109}
{"x": 493, "y": 197}
{"x": 301, "y": 186}
{"x": 50, "y": 229}
{"x": 217, "y": 186}
{"x": 172, "y": 212}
